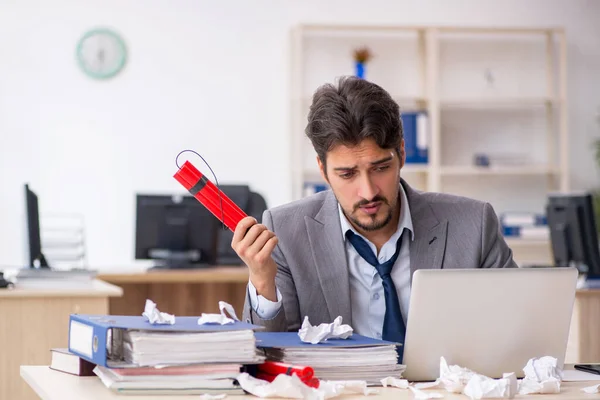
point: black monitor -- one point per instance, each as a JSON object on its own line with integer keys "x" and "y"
{"x": 36, "y": 256}
{"x": 175, "y": 231}
{"x": 573, "y": 232}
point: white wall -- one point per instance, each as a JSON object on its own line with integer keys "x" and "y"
{"x": 211, "y": 76}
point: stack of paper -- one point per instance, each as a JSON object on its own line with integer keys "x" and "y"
{"x": 192, "y": 379}
{"x": 355, "y": 358}
{"x": 147, "y": 348}
{"x": 176, "y": 356}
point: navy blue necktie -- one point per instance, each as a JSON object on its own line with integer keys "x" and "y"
{"x": 393, "y": 324}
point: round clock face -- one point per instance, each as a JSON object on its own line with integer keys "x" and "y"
{"x": 101, "y": 53}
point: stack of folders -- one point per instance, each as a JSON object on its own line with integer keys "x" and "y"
{"x": 133, "y": 356}
{"x": 146, "y": 348}
{"x": 355, "y": 358}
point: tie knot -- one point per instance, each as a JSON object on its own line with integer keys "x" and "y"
{"x": 364, "y": 250}
{"x": 385, "y": 269}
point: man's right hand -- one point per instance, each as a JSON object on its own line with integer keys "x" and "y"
{"x": 254, "y": 243}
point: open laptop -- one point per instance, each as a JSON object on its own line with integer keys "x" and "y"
{"x": 488, "y": 320}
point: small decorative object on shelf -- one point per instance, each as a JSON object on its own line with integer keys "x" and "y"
{"x": 501, "y": 159}
{"x": 362, "y": 55}
{"x": 481, "y": 160}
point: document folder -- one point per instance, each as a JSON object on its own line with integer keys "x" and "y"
{"x": 290, "y": 340}
{"x": 91, "y": 336}
{"x": 357, "y": 357}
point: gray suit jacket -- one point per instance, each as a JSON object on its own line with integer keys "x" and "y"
{"x": 449, "y": 232}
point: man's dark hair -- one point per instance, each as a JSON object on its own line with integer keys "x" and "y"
{"x": 353, "y": 111}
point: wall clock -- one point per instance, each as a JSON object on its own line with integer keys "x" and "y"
{"x": 101, "y": 53}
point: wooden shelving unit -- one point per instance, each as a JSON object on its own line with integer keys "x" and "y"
{"x": 485, "y": 90}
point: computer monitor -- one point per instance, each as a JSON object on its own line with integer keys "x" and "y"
{"x": 175, "y": 231}
{"x": 34, "y": 242}
{"x": 573, "y": 232}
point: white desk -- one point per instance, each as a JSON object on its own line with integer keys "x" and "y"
{"x": 54, "y": 385}
{"x": 35, "y": 318}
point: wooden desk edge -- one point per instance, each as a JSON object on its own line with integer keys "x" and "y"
{"x": 98, "y": 288}
{"x": 233, "y": 274}
{"x": 588, "y": 292}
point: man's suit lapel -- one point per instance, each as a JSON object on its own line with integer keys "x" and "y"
{"x": 427, "y": 249}
{"x": 327, "y": 246}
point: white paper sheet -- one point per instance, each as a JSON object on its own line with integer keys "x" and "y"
{"x": 482, "y": 387}
{"x": 154, "y": 316}
{"x": 395, "y": 382}
{"x": 457, "y": 379}
{"x": 591, "y": 389}
{"x": 222, "y": 318}
{"x": 286, "y": 386}
{"x": 542, "y": 376}
{"x": 318, "y": 334}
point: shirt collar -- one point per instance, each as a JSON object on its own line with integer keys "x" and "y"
{"x": 404, "y": 221}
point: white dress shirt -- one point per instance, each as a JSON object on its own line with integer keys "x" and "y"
{"x": 366, "y": 288}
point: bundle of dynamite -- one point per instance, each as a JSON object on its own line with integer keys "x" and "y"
{"x": 209, "y": 195}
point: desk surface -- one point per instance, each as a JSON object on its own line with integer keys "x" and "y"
{"x": 588, "y": 292}
{"x": 217, "y": 274}
{"x": 54, "y": 385}
{"x": 62, "y": 288}
{"x": 233, "y": 274}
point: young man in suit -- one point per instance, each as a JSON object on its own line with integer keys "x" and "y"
{"x": 351, "y": 251}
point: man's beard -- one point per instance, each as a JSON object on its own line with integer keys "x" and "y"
{"x": 373, "y": 225}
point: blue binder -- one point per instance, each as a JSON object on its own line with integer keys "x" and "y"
{"x": 89, "y": 334}
{"x": 416, "y": 137}
{"x": 289, "y": 340}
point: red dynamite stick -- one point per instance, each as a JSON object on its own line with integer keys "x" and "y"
{"x": 274, "y": 368}
{"x": 311, "y": 382}
{"x": 265, "y": 377}
{"x": 194, "y": 178}
{"x": 210, "y": 204}
{"x": 213, "y": 198}
{"x": 223, "y": 215}
{"x": 209, "y": 195}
